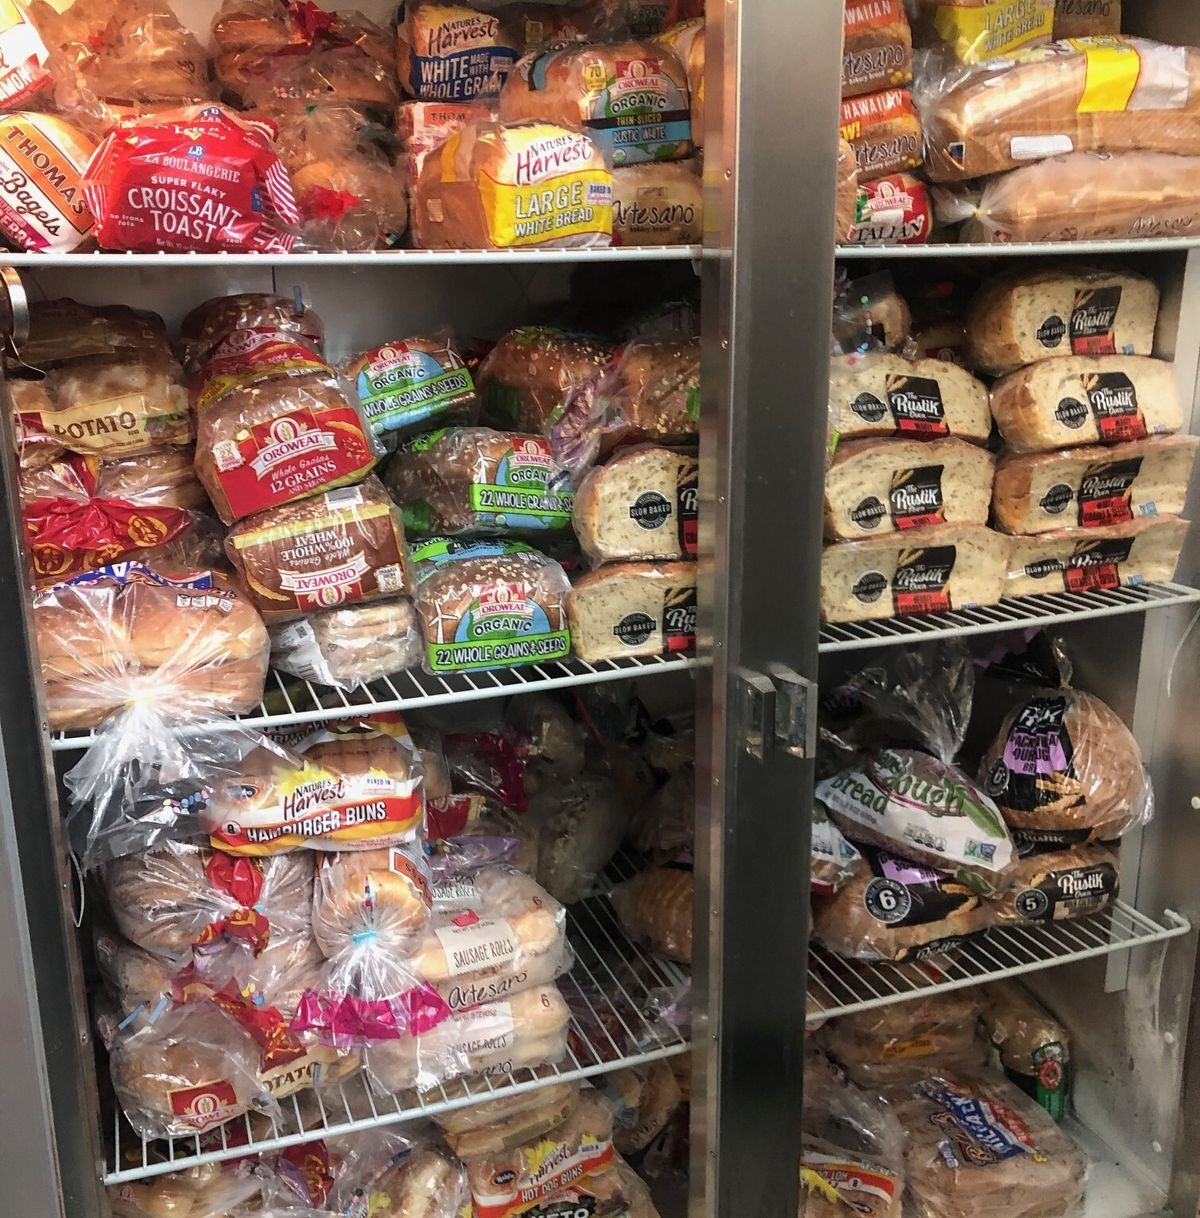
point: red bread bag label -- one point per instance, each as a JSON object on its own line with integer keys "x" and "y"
{"x": 893, "y": 210}
{"x": 197, "y": 179}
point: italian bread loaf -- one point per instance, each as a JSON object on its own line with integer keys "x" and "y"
{"x": 883, "y": 395}
{"x": 879, "y": 486}
{"x": 928, "y": 570}
{"x": 633, "y": 609}
{"x": 1061, "y": 403}
{"x": 1029, "y": 316}
{"x": 1078, "y": 560}
{"x": 1090, "y": 487}
{"x": 1084, "y": 96}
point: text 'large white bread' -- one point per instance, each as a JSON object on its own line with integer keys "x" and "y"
{"x": 634, "y": 609}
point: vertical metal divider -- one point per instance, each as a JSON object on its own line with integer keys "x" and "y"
{"x": 772, "y": 89}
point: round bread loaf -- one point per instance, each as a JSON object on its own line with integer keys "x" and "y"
{"x": 208, "y": 323}
{"x": 657, "y": 905}
{"x": 262, "y": 26}
{"x": 1059, "y": 884}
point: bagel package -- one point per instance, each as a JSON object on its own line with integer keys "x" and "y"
{"x": 46, "y": 157}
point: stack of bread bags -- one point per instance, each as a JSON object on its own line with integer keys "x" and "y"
{"x": 1093, "y": 475}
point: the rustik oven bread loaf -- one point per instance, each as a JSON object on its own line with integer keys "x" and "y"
{"x": 1059, "y": 403}
{"x": 1092, "y": 487}
{"x": 1089, "y": 95}
{"x": 1140, "y": 551}
{"x": 877, "y": 394}
{"x": 876, "y": 46}
{"x": 634, "y": 609}
{"x": 658, "y": 203}
{"x": 884, "y": 130}
{"x": 1029, "y": 316}
{"x": 928, "y": 570}
{"x": 1086, "y": 18}
{"x": 878, "y": 486}
{"x": 1058, "y": 885}
{"x": 333, "y": 549}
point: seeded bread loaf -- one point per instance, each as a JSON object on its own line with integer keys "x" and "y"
{"x": 1079, "y": 560}
{"x": 1060, "y": 403}
{"x": 1019, "y": 319}
{"x": 920, "y": 571}
{"x": 1090, "y": 487}
{"x": 885, "y": 395}
{"x": 880, "y": 486}
{"x": 634, "y": 609}
{"x": 641, "y": 505}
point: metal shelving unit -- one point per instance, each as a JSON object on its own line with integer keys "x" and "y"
{"x": 1017, "y": 249}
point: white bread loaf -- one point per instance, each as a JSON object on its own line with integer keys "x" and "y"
{"x": 1091, "y": 487}
{"x": 920, "y": 571}
{"x": 634, "y": 609}
{"x": 880, "y": 486}
{"x": 1061, "y": 403}
{"x": 884, "y": 395}
{"x": 1080, "y": 560}
{"x": 1021, "y": 318}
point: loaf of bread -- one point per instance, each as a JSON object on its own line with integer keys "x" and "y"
{"x": 884, "y": 395}
{"x": 892, "y": 210}
{"x": 975, "y": 31}
{"x": 1064, "y": 768}
{"x": 873, "y": 487}
{"x": 1104, "y": 96}
{"x": 884, "y": 130}
{"x": 870, "y": 310}
{"x": 845, "y": 208}
{"x": 1029, "y": 316}
{"x": 641, "y": 505}
{"x": 492, "y": 1126}
{"x": 929, "y": 570}
{"x": 877, "y": 46}
{"x": 634, "y": 609}
{"x": 133, "y": 974}
{"x": 451, "y": 53}
{"x": 217, "y": 318}
{"x": 1058, "y": 403}
{"x": 162, "y": 478}
{"x": 658, "y": 203}
{"x": 944, "y": 339}
{"x": 1086, "y": 18}
{"x": 656, "y": 905}
{"x": 63, "y": 329}
{"x": 1142, "y": 551}
{"x": 1093, "y": 487}
{"x": 652, "y": 391}
{"x": 1034, "y": 1048}
{"x": 1059, "y": 884}
{"x": 686, "y": 39}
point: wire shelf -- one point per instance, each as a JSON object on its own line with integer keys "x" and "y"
{"x": 1016, "y": 249}
{"x": 289, "y": 701}
{"x": 609, "y": 992}
{"x": 841, "y": 987}
{"x": 1013, "y": 612}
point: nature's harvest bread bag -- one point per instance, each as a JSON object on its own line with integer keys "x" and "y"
{"x": 884, "y": 131}
{"x": 1093, "y": 487}
{"x": 875, "y": 486}
{"x": 499, "y": 186}
{"x": 1083, "y": 95}
{"x": 877, "y": 394}
{"x": 974, "y": 31}
{"x": 1060, "y": 403}
{"x": 42, "y": 161}
{"x": 1085, "y": 18}
{"x": 1021, "y": 318}
{"x": 1113, "y": 556}
{"x": 197, "y": 179}
{"x": 452, "y": 53}
{"x": 658, "y": 203}
{"x": 929, "y": 570}
{"x": 877, "y": 46}
{"x": 892, "y": 210}
{"x": 630, "y": 98}
{"x": 1059, "y": 884}
{"x": 634, "y": 609}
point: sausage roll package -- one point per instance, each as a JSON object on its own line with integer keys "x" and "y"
{"x": 333, "y": 549}
{"x": 452, "y": 53}
{"x": 1034, "y": 1048}
{"x": 208, "y": 324}
{"x": 656, "y": 905}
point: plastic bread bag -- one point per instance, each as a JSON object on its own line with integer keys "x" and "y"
{"x": 665, "y": 823}
{"x": 834, "y": 860}
{"x": 552, "y": 742}
{"x": 1034, "y": 1048}
{"x": 192, "y": 1068}
{"x": 978, "y": 1146}
{"x": 580, "y": 824}
{"x": 644, "y": 1099}
{"x": 978, "y": 30}
{"x": 846, "y": 208}
{"x": 656, "y": 905}
{"x": 390, "y": 1171}
{"x": 452, "y": 53}
{"x": 1054, "y": 885}
{"x": 467, "y": 834}
{"x": 205, "y": 326}
{"x": 133, "y": 975}
{"x": 870, "y": 315}
{"x": 213, "y": 1190}
{"x": 492, "y": 1126}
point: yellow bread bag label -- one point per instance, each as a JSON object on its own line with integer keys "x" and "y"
{"x": 985, "y": 31}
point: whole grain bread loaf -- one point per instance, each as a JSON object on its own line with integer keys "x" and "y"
{"x": 634, "y": 609}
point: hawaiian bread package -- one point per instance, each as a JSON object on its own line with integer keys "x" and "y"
{"x": 877, "y": 50}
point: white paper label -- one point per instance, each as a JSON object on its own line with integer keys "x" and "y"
{"x": 479, "y": 944}
{"x": 1037, "y": 147}
{"x": 456, "y": 895}
{"x": 485, "y": 1032}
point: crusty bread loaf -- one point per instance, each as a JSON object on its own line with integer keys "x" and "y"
{"x": 846, "y": 206}
{"x": 1135, "y": 94}
{"x": 919, "y": 571}
{"x": 877, "y": 46}
{"x": 656, "y": 905}
{"x": 1059, "y": 403}
{"x": 1079, "y": 560}
{"x": 1021, "y": 318}
{"x": 1090, "y": 487}
{"x": 1086, "y": 18}
{"x": 942, "y": 339}
{"x": 1059, "y": 884}
{"x": 634, "y": 609}
{"x": 884, "y": 130}
{"x": 658, "y": 203}
{"x": 874, "y": 487}
{"x": 883, "y": 395}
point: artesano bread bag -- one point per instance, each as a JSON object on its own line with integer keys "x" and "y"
{"x": 1084, "y": 18}
{"x": 658, "y": 203}
{"x": 884, "y": 131}
{"x": 877, "y": 46}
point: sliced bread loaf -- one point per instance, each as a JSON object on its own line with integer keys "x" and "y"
{"x": 1140, "y": 551}
{"x": 1105, "y": 399}
{"x": 880, "y": 486}
{"x": 1091, "y": 487}
{"x": 634, "y": 609}
{"x": 886, "y": 395}
{"x": 923, "y": 571}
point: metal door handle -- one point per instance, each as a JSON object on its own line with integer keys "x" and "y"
{"x": 779, "y": 709}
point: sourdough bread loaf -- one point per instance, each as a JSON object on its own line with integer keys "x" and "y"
{"x": 1060, "y": 403}
{"x": 877, "y": 46}
{"x": 1058, "y": 885}
{"x": 884, "y": 130}
{"x": 873, "y": 487}
{"x": 884, "y": 395}
{"x": 1025, "y": 317}
{"x": 634, "y": 609}
{"x": 1093, "y": 487}
{"x": 1125, "y": 555}
{"x": 929, "y": 570}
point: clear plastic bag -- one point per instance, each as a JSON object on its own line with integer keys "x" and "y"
{"x": 1034, "y": 1048}
{"x": 870, "y": 315}
{"x": 1053, "y": 885}
{"x": 492, "y": 1126}
{"x": 468, "y": 833}
{"x": 977, "y": 31}
{"x": 645, "y": 1099}
{"x": 552, "y": 742}
{"x": 213, "y": 1190}
{"x": 580, "y": 824}
{"x": 656, "y": 905}
{"x": 213, "y": 321}
{"x": 834, "y": 860}
{"x": 385, "y": 1171}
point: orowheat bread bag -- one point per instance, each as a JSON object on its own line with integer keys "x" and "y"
{"x": 1059, "y": 403}
{"x": 875, "y": 487}
{"x": 1092, "y": 487}
{"x": 1021, "y": 318}
{"x": 1086, "y": 18}
{"x": 1058, "y": 885}
{"x": 1079, "y": 560}
{"x": 634, "y": 609}
{"x": 883, "y": 395}
{"x": 928, "y": 570}
{"x": 1103, "y": 95}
